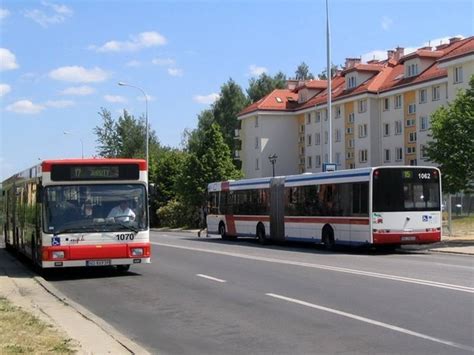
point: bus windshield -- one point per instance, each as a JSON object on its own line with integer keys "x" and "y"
{"x": 95, "y": 208}
{"x": 399, "y": 190}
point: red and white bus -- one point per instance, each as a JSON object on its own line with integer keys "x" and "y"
{"x": 58, "y": 213}
{"x": 368, "y": 206}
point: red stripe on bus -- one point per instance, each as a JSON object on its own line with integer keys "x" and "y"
{"x": 407, "y": 238}
{"x": 230, "y": 223}
{"x": 225, "y": 186}
{"x": 99, "y": 251}
{"x": 47, "y": 164}
{"x": 364, "y": 221}
{"x": 252, "y": 218}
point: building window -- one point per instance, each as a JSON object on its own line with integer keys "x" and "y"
{"x": 256, "y": 142}
{"x": 337, "y": 135}
{"x": 351, "y": 83}
{"x": 302, "y": 129}
{"x": 326, "y": 137}
{"x": 317, "y": 161}
{"x": 398, "y": 101}
{"x": 411, "y": 109}
{"x": 308, "y": 118}
{"x": 309, "y": 140}
{"x": 338, "y": 111}
{"x": 458, "y": 75}
{"x": 398, "y": 154}
{"x": 362, "y": 106}
{"x": 411, "y": 150}
{"x": 412, "y": 70}
{"x": 386, "y": 155}
{"x": 317, "y": 138}
{"x": 351, "y": 118}
{"x": 310, "y": 163}
{"x": 423, "y": 152}
{"x": 435, "y": 93}
{"x": 422, "y": 94}
{"x": 386, "y": 129}
{"x": 424, "y": 123}
{"x": 410, "y": 122}
{"x": 352, "y": 166}
{"x": 318, "y": 116}
{"x": 412, "y": 161}
{"x": 349, "y": 155}
{"x": 256, "y": 121}
{"x": 256, "y": 164}
{"x": 362, "y": 130}
{"x": 398, "y": 127}
{"x": 349, "y": 130}
{"x": 325, "y": 114}
{"x": 350, "y": 143}
{"x": 363, "y": 156}
{"x": 412, "y": 137}
{"x": 386, "y": 104}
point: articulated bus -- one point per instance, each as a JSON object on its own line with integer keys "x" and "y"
{"x": 79, "y": 212}
{"x": 376, "y": 206}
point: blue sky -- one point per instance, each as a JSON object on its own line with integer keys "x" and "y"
{"x": 60, "y": 61}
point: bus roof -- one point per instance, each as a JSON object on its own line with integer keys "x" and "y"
{"x": 47, "y": 164}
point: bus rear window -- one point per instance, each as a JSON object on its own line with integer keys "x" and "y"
{"x": 398, "y": 190}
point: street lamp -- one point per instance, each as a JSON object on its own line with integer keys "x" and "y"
{"x": 273, "y": 159}
{"x": 146, "y": 114}
{"x": 82, "y": 143}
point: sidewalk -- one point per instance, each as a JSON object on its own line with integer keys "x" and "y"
{"x": 37, "y": 296}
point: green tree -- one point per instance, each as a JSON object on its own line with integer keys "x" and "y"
{"x": 265, "y": 84}
{"x": 231, "y": 101}
{"x": 323, "y": 75}
{"x": 303, "y": 73}
{"x": 452, "y": 147}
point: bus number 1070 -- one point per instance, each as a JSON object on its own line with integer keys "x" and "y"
{"x": 125, "y": 236}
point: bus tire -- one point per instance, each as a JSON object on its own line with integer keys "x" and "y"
{"x": 328, "y": 238}
{"x": 222, "y": 231}
{"x": 261, "y": 237}
{"x": 123, "y": 268}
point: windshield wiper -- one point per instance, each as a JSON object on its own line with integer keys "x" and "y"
{"x": 129, "y": 227}
{"x": 70, "y": 230}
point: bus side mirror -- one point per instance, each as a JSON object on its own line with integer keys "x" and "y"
{"x": 39, "y": 194}
{"x": 151, "y": 189}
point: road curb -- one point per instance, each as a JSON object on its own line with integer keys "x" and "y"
{"x": 125, "y": 342}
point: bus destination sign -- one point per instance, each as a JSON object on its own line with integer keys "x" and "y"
{"x": 76, "y": 172}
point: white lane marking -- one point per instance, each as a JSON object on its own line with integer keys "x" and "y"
{"x": 330, "y": 268}
{"x": 373, "y": 322}
{"x": 210, "y": 278}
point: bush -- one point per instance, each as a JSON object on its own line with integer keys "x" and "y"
{"x": 176, "y": 214}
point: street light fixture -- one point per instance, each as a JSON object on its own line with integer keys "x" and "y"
{"x": 82, "y": 143}
{"x": 273, "y": 159}
{"x": 120, "y": 83}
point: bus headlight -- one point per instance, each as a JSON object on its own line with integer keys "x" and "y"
{"x": 137, "y": 251}
{"x": 58, "y": 254}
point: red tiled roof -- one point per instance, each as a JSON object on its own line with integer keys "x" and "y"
{"x": 364, "y": 67}
{"x": 465, "y": 48}
{"x": 288, "y": 99}
{"x": 422, "y": 53}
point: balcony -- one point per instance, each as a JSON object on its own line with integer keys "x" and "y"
{"x": 237, "y": 133}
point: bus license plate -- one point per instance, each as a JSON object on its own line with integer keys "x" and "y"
{"x": 97, "y": 262}
{"x": 408, "y": 238}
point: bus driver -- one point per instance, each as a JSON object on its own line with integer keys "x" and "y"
{"x": 122, "y": 212}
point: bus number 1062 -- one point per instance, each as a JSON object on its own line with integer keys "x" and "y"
{"x": 424, "y": 176}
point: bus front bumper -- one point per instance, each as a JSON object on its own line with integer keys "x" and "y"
{"x": 416, "y": 237}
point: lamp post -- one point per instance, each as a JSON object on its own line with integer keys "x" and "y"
{"x": 273, "y": 159}
{"x": 82, "y": 143}
{"x": 146, "y": 115}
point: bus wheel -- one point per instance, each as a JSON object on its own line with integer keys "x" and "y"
{"x": 328, "y": 238}
{"x": 262, "y": 239}
{"x": 222, "y": 231}
{"x": 123, "y": 268}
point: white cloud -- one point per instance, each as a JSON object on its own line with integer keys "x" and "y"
{"x": 25, "y": 107}
{"x": 163, "y": 61}
{"x": 149, "y": 98}
{"x": 115, "y": 98}
{"x": 206, "y": 99}
{"x": 133, "y": 63}
{"x": 78, "y": 90}
{"x": 4, "y": 13}
{"x": 386, "y": 23}
{"x": 59, "y": 103}
{"x": 140, "y": 41}
{"x": 377, "y": 54}
{"x": 4, "y": 89}
{"x": 49, "y": 14}
{"x": 175, "y": 72}
{"x": 7, "y": 60}
{"x": 78, "y": 74}
{"x": 256, "y": 70}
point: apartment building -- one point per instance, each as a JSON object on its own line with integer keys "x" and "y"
{"x": 380, "y": 113}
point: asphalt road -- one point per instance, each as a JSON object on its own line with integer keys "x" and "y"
{"x": 208, "y": 296}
